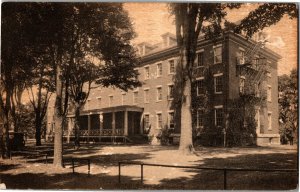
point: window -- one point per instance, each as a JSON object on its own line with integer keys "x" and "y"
{"x": 99, "y": 102}
{"x": 147, "y": 72}
{"x": 123, "y": 98}
{"x": 218, "y": 83}
{"x": 257, "y": 120}
{"x": 159, "y": 121}
{"x": 171, "y": 120}
{"x": 219, "y": 116}
{"x": 170, "y": 91}
{"x": 110, "y": 101}
{"x": 146, "y": 95}
{"x": 242, "y": 84}
{"x": 146, "y": 122}
{"x": 200, "y": 118}
{"x": 171, "y": 66}
{"x": 218, "y": 54}
{"x": 242, "y": 56}
{"x": 269, "y": 91}
{"x": 88, "y": 104}
{"x": 200, "y": 86}
{"x": 135, "y": 97}
{"x": 200, "y": 59}
{"x": 269, "y": 121}
{"x": 159, "y": 94}
{"x": 159, "y": 70}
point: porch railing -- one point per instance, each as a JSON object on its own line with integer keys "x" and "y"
{"x": 97, "y": 132}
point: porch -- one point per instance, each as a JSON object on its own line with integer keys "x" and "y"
{"x": 113, "y": 122}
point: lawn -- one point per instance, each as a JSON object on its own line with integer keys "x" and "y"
{"x": 33, "y": 173}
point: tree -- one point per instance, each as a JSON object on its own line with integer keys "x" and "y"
{"x": 15, "y": 64}
{"x": 288, "y": 106}
{"x": 189, "y": 20}
{"x": 101, "y": 31}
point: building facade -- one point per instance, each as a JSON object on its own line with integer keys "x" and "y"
{"x": 234, "y": 79}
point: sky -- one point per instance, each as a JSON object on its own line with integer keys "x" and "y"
{"x": 151, "y": 20}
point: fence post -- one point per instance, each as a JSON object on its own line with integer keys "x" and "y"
{"x": 225, "y": 179}
{"x": 142, "y": 174}
{"x": 73, "y": 168}
{"x": 119, "y": 172}
{"x": 89, "y": 166}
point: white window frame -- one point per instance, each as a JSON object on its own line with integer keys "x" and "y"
{"x": 146, "y": 95}
{"x": 110, "y": 100}
{"x": 169, "y": 118}
{"x": 135, "y": 95}
{"x": 157, "y": 120}
{"x": 88, "y": 102}
{"x": 241, "y": 55}
{"x": 197, "y": 62}
{"x": 215, "y": 113}
{"x": 99, "y": 100}
{"x": 269, "y": 120}
{"x": 157, "y": 93}
{"x": 269, "y": 93}
{"x": 198, "y": 120}
{"x": 169, "y": 95}
{"x": 199, "y": 79}
{"x": 146, "y": 72}
{"x": 215, "y": 83}
{"x": 169, "y": 64}
{"x": 214, "y": 52}
{"x": 146, "y": 114}
{"x": 158, "y": 69}
{"x": 257, "y": 118}
{"x": 123, "y": 94}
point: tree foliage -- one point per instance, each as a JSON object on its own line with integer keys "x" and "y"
{"x": 288, "y": 106}
{"x": 193, "y": 19}
{"x": 265, "y": 15}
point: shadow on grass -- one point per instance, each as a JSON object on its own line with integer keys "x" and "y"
{"x": 196, "y": 179}
{"x": 241, "y": 180}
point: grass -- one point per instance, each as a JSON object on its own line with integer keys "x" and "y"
{"x": 34, "y": 174}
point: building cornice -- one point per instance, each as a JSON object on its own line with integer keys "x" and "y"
{"x": 171, "y": 51}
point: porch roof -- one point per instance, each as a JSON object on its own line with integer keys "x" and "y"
{"x": 113, "y": 109}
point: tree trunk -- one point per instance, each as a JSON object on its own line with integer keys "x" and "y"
{"x": 5, "y": 137}
{"x": 76, "y": 126}
{"x": 58, "y": 141}
{"x": 186, "y": 137}
{"x": 38, "y": 125}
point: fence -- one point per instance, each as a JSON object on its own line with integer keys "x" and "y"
{"x": 225, "y": 170}
{"x": 46, "y": 155}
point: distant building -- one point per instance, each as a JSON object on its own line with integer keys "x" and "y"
{"x": 226, "y": 69}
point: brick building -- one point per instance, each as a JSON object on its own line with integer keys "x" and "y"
{"x": 227, "y": 69}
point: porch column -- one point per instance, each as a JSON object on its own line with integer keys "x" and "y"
{"x": 101, "y": 122}
{"x": 89, "y": 127}
{"x": 113, "y": 124}
{"x": 125, "y": 122}
{"x": 141, "y": 124}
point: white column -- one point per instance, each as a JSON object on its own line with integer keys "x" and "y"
{"x": 101, "y": 122}
{"x": 89, "y": 126}
{"x": 125, "y": 122}
{"x": 113, "y": 123}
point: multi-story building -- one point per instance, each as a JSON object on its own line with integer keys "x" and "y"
{"x": 232, "y": 77}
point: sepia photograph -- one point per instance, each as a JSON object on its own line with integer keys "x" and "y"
{"x": 149, "y": 96}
